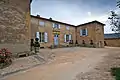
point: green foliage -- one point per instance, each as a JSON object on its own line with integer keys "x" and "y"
{"x": 115, "y": 20}
{"x": 116, "y": 73}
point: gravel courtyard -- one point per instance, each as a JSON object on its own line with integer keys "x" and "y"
{"x": 73, "y": 64}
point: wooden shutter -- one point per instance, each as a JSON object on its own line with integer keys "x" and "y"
{"x": 46, "y": 37}
{"x": 70, "y": 37}
{"x": 80, "y": 32}
{"x": 37, "y": 35}
{"x": 53, "y": 25}
{"x": 59, "y": 26}
{"x": 65, "y": 38}
{"x": 86, "y": 32}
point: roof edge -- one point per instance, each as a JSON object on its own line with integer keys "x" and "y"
{"x": 39, "y": 17}
{"x": 91, "y": 22}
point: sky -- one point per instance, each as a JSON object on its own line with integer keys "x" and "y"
{"x": 75, "y": 12}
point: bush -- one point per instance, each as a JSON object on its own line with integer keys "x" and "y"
{"x": 5, "y": 57}
{"x": 116, "y": 73}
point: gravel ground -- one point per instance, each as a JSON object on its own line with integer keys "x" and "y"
{"x": 21, "y": 64}
{"x": 102, "y": 70}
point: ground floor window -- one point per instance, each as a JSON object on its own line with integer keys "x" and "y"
{"x": 42, "y": 36}
{"x": 67, "y": 37}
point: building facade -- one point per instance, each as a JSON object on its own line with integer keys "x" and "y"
{"x": 91, "y": 33}
{"x": 14, "y": 24}
{"x": 51, "y": 32}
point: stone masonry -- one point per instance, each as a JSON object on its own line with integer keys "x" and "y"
{"x": 14, "y": 22}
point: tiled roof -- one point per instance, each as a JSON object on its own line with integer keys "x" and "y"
{"x": 113, "y": 35}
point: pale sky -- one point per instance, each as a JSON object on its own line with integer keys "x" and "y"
{"x": 75, "y": 11}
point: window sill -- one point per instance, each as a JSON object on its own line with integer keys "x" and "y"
{"x": 84, "y": 36}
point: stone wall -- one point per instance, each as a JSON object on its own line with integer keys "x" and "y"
{"x": 113, "y": 42}
{"x": 95, "y": 33}
{"x": 48, "y": 27}
{"x": 14, "y": 22}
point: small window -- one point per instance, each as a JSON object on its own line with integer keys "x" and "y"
{"x": 56, "y": 25}
{"x": 83, "y": 32}
{"x": 91, "y": 42}
{"x": 67, "y": 27}
{"x": 41, "y": 23}
{"x": 83, "y": 42}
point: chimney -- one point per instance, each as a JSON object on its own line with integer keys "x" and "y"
{"x": 50, "y": 18}
{"x": 38, "y": 15}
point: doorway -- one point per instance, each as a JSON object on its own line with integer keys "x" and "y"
{"x": 56, "y": 41}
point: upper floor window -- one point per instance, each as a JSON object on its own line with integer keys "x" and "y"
{"x": 41, "y": 23}
{"x": 68, "y": 27}
{"x": 56, "y": 25}
{"x": 83, "y": 32}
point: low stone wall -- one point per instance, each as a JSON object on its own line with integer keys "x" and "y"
{"x": 15, "y": 48}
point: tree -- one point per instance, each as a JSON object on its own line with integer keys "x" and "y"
{"x": 115, "y": 20}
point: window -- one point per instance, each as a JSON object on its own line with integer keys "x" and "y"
{"x": 91, "y": 42}
{"x": 83, "y": 32}
{"x": 83, "y": 42}
{"x": 41, "y": 23}
{"x": 67, "y": 27}
{"x": 56, "y": 25}
{"x": 41, "y": 36}
{"x": 67, "y": 38}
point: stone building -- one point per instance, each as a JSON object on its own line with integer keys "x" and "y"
{"x": 15, "y": 24}
{"x": 91, "y": 33}
{"x": 52, "y": 32}
{"x": 112, "y": 40}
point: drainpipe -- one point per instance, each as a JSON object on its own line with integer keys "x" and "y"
{"x": 76, "y": 35}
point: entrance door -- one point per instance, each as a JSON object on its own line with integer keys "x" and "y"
{"x": 56, "y": 39}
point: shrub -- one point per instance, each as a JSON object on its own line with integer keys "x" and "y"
{"x": 5, "y": 57}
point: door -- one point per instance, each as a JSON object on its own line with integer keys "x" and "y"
{"x": 56, "y": 39}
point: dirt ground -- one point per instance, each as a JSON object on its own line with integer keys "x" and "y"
{"x": 68, "y": 64}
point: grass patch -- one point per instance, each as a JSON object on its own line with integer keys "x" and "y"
{"x": 116, "y": 73}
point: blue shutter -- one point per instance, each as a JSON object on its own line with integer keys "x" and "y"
{"x": 65, "y": 38}
{"x": 70, "y": 37}
{"x": 59, "y": 26}
{"x": 46, "y": 37}
{"x": 80, "y": 32}
{"x": 53, "y": 25}
{"x": 86, "y": 32}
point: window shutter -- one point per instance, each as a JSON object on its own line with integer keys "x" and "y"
{"x": 46, "y": 37}
{"x": 53, "y": 25}
{"x": 65, "y": 38}
{"x": 86, "y": 32}
{"x": 80, "y": 32}
{"x": 70, "y": 37}
{"x": 37, "y": 35}
{"x": 59, "y": 26}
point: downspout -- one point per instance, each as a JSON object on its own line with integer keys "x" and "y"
{"x": 76, "y": 35}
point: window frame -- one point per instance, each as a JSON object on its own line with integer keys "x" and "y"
{"x": 56, "y": 27}
{"x": 43, "y": 23}
{"x": 42, "y": 37}
{"x": 67, "y": 27}
{"x": 84, "y": 32}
